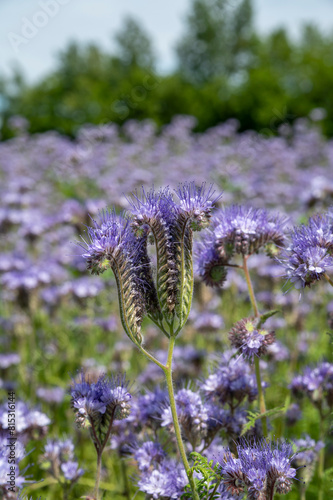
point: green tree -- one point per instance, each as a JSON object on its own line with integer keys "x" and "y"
{"x": 133, "y": 45}
{"x": 218, "y": 40}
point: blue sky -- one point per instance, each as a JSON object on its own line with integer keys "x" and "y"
{"x": 97, "y": 20}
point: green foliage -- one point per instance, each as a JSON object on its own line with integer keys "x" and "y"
{"x": 134, "y": 47}
{"x": 253, "y": 416}
{"x": 208, "y": 484}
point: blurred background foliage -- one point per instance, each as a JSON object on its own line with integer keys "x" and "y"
{"x": 224, "y": 69}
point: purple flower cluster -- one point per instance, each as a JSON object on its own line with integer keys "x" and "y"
{"x": 236, "y": 230}
{"x": 97, "y": 403}
{"x": 231, "y": 383}
{"x": 59, "y": 455}
{"x": 6, "y": 456}
{"x": 160, "y": 477}
{"x": 29, "y": 422}
{"x": 249, "y": 340}
{"x": 262, "y": 467}
{"x": 315, "y": 383}
{"x": 309, "y": 256}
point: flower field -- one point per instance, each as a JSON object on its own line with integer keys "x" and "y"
{"x": 226, "y": 394}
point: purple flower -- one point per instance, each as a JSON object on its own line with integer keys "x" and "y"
{"x": 244, "y": 231}
{"x": 192, "y": 414}
{"x": 149, "y": 454}
{"x": 71, "y": 471}
{"x": 9, "y": 359}
{"x": 98, "y": 404}
{"x": 51, "y": 394}
{"x": 236, "y": 230}
{"x": 315, "y": 383}
{"x": 163, "y": 477}
{"x": 309, "y": 255}
{"x": 111, "y": 244}
{"x": 250, "y": 341}
{"x": 261, "y": 468}
{"x": 28, "y": 421}
{"x": 307, "y": 451}
{"x": 231, "y": 382}
{"x": 196, "y": 203}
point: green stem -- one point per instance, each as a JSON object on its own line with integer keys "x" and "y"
{"x": 150, "y": 357}
{"x": 262, "y": 405}
{"x": 250, "y": 288}
{"x": 168, "y": 376}
{"x": 328, "y": 279}
{"x": 98, "y": 475}
{"x": 321, "y": 462}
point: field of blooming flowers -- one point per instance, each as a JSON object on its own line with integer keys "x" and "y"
{"x": 254, "y": 357}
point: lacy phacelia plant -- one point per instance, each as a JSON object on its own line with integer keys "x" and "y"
{"x": 238, "y": 231}
{"x": 58, "y": 459}
{"x": 97, "y": 405}
{"x": 310, "y": 254}
{"x": 121, "y": 243}
{"x": 261, "y": 469}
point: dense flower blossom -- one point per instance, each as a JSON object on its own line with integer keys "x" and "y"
{"x": 236, "y": 230}
{"x": 309, "y": 255}
{"x": 192, "y": 414}
{"x": 262, "y": 467}
{"x": 59, "y": 456}
{"x": 9, "y": 359}
{"x": 249, "y": 340}
{"x": 98, "y": 403}
{"x": 147, "y": 408}
{"x": 244, "y": 231}
{"x": 231, "y": 382}
{"x": 51, "y": 394}
{"x": 315, "y": 383}
{"x": 18, "y": 477}
{"x": 161, "y": 477}
{"x": 29, "y": 421}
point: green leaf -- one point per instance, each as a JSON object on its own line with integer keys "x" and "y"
{"x": 256, "y": 415}
{"x": 264, "y": 317}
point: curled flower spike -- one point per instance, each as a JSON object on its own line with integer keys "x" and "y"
{"x": 110, "y": 244}
{"x": 249, "y": 340}
{"x": 210, "y": 265}
{"x": 171, "y": 225}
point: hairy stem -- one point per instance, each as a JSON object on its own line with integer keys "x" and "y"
{"x": 262, "y": 405}
{"x": 250, "y": 288}
{"x": 98, "y": 475}
{"x": 321, "y": 462}
{"x": 168, "y": 376}
{"x": 261, "y": 397}
{"x": 328, "y": 279}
